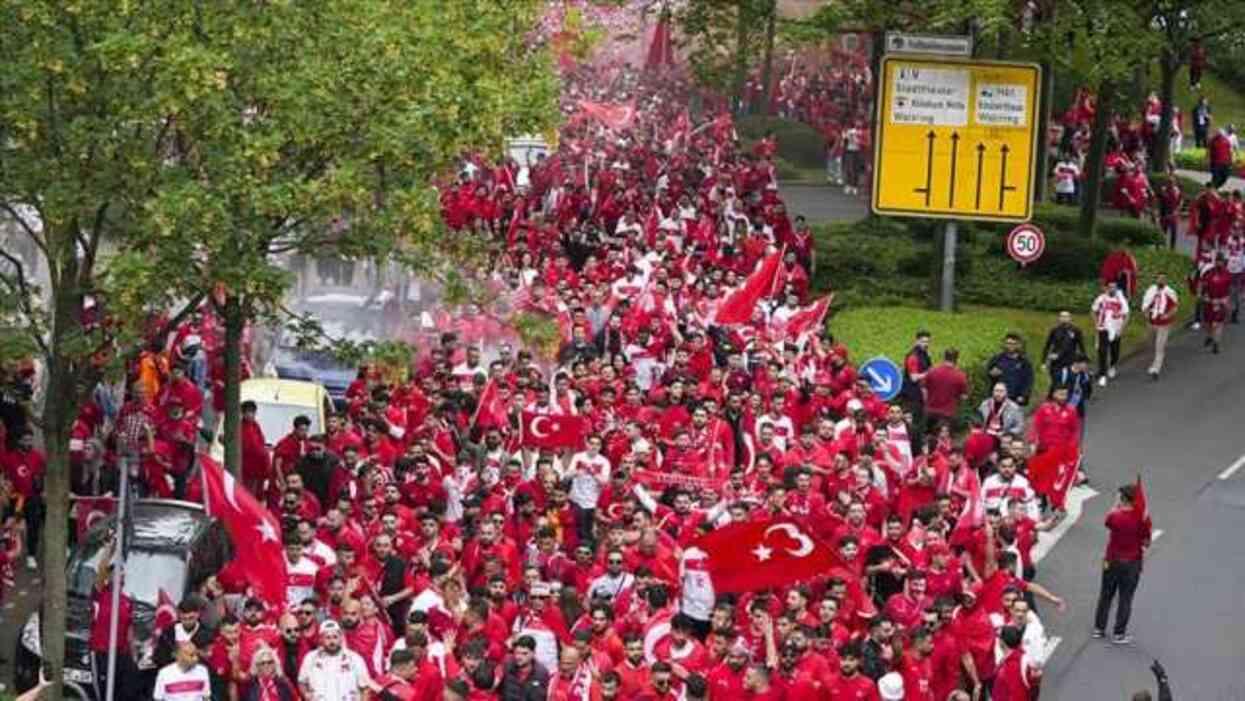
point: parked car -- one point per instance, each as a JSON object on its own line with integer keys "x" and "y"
{"x": 173, "y": 545}
{"x": 342, "y": 316}
{"x": 277, "y": 403}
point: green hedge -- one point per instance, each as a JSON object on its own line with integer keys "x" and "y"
{"x": 798, "y": 144}
{"x": 883, "y": 261}
{"x": 1193, "y": 158}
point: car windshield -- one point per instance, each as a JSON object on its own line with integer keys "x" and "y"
{"x": 277, "y": 420}
{"x": 146, "y": 572}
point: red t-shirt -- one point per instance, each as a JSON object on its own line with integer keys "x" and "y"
{"x": 1128, "y": 533}
{"x": 944, "y": 385}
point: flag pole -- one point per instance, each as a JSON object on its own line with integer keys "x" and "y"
{"x": 203, "y": 483}
{"x": 114, "y": 615}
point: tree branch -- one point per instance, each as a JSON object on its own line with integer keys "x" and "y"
{"x": 24, "y": 295}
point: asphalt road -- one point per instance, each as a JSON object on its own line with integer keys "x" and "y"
{"x": 823, "y": 203}
{"x": 1181, "y": 433}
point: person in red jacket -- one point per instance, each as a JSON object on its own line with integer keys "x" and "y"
{"x": 1017, "y": 678}
{"x": 1129, "y": 533}
{"x": 256, "y": 462}
{"x": 25, "y": 466}
{"x": 1219, "y": 150}
{"x": 1216, "y": 295}
{"x": 1055, "y": 422}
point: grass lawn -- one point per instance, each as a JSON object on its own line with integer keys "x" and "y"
{"x": 977, "y": 332}
{"x": 1227, "y": 106}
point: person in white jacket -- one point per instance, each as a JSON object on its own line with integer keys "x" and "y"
{"x": 1110, "y": 311}
{"x": 1159, "y": 305}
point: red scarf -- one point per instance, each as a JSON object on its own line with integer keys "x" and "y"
{"x": 269, "y": 690}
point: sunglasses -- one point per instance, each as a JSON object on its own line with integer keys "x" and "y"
{"x": 306, "y": 613}
{"x": 615, "y": 562}
{"x": 267, "y": 663}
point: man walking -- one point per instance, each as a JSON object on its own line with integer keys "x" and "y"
{"x": 1127, "y": 540}
{"x": 1064, "y": 342}
{"x": 1159, "y": 305}
{"x": 1012, "y": 368}
{"x": 1110, "y": 311}
{"x": 916, "y": 366}
{"x": 1216, "y": 293}
{"x": 945, "y": 387}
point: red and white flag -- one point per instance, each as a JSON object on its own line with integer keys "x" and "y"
{"x": 89, "y": 510}
{"x": 255, "y": 532}
{"x": 1141, "y": 504}
{"x": 740, "y": 303}
{"x": 553, "y": 430}
{"x": 1053, "y": 472}
{"x": 166, "y": 611}
{"x": 763, "y": 554}
{"x": 809, "y": 319}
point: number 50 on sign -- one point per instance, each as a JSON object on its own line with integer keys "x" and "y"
{"x": 1026, "y": 243}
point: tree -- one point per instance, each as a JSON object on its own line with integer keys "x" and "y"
{"x": 1097, "y": 43}
{"x": 1181, "y": 24}
{"x": 168, "y": 149}
{"x": 724, "y": 39}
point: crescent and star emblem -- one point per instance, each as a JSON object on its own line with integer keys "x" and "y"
{"x": 537, "y": 432}
{"x": 764, "y": 552}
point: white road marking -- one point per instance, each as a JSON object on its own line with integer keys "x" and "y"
{"x": 1231, "y": 469}
{"x": 1077, "y": 497}
{"x": 1158, "y": 532}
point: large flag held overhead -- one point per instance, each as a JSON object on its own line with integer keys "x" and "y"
{"x": 614, "y": 116}
{"x": 255, "y": 532}
{"x": 762, "y": 554}
{"x": 809, "y": 319}
{"x": 1052, "y": 473}
{"x": 739, "y": 304}
{"x": 554, "y": 431}
{"x": 661, "y": 49}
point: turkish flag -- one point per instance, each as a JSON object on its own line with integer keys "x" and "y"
{"x": 1052, "y": 472}
{"x": 1141, "y": 504}
{"x": 166, "y": 611}
{"x": 739, "y": 304}
{"x": 553, "y": 431}
{"x": 614, "y": 116}
{"x": 489, "y": 411}
{"x": 763, "y": 554}
{"x": 89, "y": 510}
{"x": 809, "y": 318}
{"x": 255, "y": 532}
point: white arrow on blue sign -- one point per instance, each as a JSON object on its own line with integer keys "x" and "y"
{"x": 884, "y": 376}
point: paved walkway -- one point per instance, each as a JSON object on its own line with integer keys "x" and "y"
{"x": 822, "y": 203}
{"x": 1234, "y": 182}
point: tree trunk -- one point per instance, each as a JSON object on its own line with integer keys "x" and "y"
{"x": 1161, "y": 153}
{"x": 1047, "y": 89}
{"x": 234, "y": 324}
{"x": 741, "y": 55}
{"x": 767, "y": 69}
{"x": 1093, "y": 163}
{"x": 59, "y": 413}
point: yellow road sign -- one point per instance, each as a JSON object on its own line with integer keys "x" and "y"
{"x": 956, "y": 139}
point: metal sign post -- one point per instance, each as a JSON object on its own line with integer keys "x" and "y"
{"x": 947, "y": 298}
{"x": 114, "y": 615}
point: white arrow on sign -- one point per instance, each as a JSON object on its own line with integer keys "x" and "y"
{"x": 882, "y": 383}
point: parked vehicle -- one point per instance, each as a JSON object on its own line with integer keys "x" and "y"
{"x": 173, "y": 546}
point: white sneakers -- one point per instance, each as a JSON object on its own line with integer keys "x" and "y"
{"x": 1111, "y": 372}
{"x": 31, "y": 564}
{"x": 1102, "y": 381}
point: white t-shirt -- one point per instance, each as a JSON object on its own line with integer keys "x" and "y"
{"x": 173, "y": 684}
{"x": 584, "y": 470}
{"x": 337, "y": 677}
{"x": 300, "y": 580}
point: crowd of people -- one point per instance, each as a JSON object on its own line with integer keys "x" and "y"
{"x": 435, "y": 549}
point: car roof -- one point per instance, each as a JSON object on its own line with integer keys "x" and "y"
{"x": 270, "y": 390}
{"x": 166, "y": 524}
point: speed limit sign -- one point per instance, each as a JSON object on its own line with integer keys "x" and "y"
{"x": 1025, "y": 243}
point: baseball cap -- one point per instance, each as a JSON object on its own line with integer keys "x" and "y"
{"x": 540, "y": 589}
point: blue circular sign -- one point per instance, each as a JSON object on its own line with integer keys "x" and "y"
{"x": 884, "y": 377}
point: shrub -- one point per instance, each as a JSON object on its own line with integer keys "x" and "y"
{"x": 1129, "y": 232}
{"x": 1195, "y": 159}
{"x": 798, "y": 143}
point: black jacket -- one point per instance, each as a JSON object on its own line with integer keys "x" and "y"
{"x": 1063, "y": 344}
{"x": 285, "y": 690}
{"x": 535, "y": 688}
{"x": 166, "y": 644}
